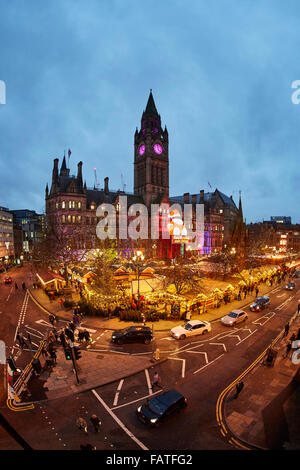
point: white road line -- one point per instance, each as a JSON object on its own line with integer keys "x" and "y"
{"x": 257, "y": 321}
{"x": 183, "y": 364}
{"x": 118, "y": 392}
{"x": 148, "y": 382}
{"x": 43, "y": 322}
{"x": 196, "y": 371}
{"x": 33, "y": 329}
{"x": 199, "y": 352}
{"x": 9, "y": 294}
{"x": 166, "y": 338}
{"x": 246, "y": 337}
{"x": 220, "y": 344}
{"x": 282, "y": 295}
{"x": 129, "y": 433}
{"x": 33, "y": 334}
{"x": 135, "y": 401}
{"x": 81, "y": 328}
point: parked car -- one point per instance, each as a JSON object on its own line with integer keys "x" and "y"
{"x": 260, "y": 303}
{"x": 192, "y": 328}
{"x": 133, "y": 334}
{"x": 236, "y": 316}
{"x": 290, "y": 286}
{"x": 160, "y": 407}
{"x": 7, "y": 280}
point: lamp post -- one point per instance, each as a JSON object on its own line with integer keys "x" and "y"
{"x": 137, "y": 262}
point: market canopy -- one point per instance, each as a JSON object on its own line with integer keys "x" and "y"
{"x": 46, "y": 277}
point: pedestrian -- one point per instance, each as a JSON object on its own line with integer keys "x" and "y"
{"x": 298, "y": 307}
{"x": 29, "y": 338}
{"x": 293, "y": 337}
{"x": 86, "y": 335}
{"x": 20, "y": 340}
{"x": 256, "y": 292}
{"x": 286, "y": 330}
{"x": 239, "y": 387}
{"x": 95, "y": 422}
{"x": 188, "y": 315}
{"x": 55, "y": 334}
{"x": 288, "y": 348}
{"x": 80, "y": 336}
{"x": 156, "y": 381}
{"x": 298, "y": 334}
{"x": 16, "y": 286}
{"x": 53, "y": 355}
{"x": 86, "y": 446}
{"x": 23, "y": 285}
{"x": 72, "y": 326}
{"x": 62, "y": 339}
{"x": 69, "y": 334}
{"x": 82, "y": 424}
{"x": 51, "y": 319}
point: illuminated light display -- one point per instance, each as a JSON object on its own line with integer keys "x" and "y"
{"x": 142, "y": 149}
{"x": 176, "y": 228}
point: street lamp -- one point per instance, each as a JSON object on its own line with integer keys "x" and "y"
{"x": 137, "y": 262}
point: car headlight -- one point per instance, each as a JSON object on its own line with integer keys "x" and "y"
{"x": 113, "y": 337}
{"x": 139, "y": 409}
{"x": 153, "y": 420}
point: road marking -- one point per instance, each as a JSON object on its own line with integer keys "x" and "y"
{"x": 257, "y": 321}
{"x": 196, "y": 371}
{"x": 148, "y": 382}
{"x": 183, "y": 364}
{"x": 9, "y": 294}
{"x": 246, "y": 337}
{"x": 280, "y": 307}
{"x": 33, "y": 329}
{"x": 220, "y": 344}
{"x": 43, "y": 323}
{"x": 135, "y": 401}
{"x": 129, "y": 433}
{"x": 118, "y": 392}
{"x": 282, "y": 295}
{"x": 87, "y": 329}
{"x": 167, "y": 338}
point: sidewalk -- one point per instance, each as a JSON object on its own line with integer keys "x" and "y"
{"x": 161, "y": 325}
{"x": 266, "y": 414}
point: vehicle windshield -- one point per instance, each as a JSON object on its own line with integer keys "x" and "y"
{"x": 233, "y": 315}
{"x": 156, "y": 406}
{"x": 188, "y": 326}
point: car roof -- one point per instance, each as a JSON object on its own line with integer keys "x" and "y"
{"x": 237, "y": 311}
{"x": 169, "y": 397}
{"x": 195, "y": 322}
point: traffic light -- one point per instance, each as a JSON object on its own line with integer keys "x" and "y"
{"x": 12, "y": 364}
{"x": 77, "y": 352}
{"x": 68, "y": 353}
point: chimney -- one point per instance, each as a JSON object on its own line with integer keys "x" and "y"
{"x": 55, "y": 171}
{"x": 186, "y": 198}
{"x": 201, "y": 196}
{"x": 194, "y": 199}
{"x": 106, "y": 190}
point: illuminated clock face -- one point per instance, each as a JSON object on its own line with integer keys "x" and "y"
{"x": 158, "y": 148}
{"x": 142, "y": 149}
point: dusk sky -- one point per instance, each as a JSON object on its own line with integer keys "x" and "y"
{"x": 78, "y": 76}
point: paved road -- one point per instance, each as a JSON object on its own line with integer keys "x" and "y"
{"x": 200, "y": 368}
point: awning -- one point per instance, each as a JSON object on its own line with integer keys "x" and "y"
{"x": 46, "y": 277}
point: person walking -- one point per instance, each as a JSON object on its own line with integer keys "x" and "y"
{"x": 95, "y": 422}
{"x": 256, "y": 291}
{"x": 156, "y": 381}
{"x": 298, "y": 334}
{"x": 62, "y": 339}
{"x": 29, "y": 339}
{"x": 86, "y": 335}
{"x": 239, "y": 387}
{"x": 23, "y": 285}
{"x": 298, "y": 307}
{"x": 82, "y": 424}
{"x": 16, "y": 286}
{"x": 288, "y": 348}
{"x": 53, "y": 355}
{"x": 286, "y": 330}
{"x": 51, "y": 319}
{"x": 20, "y": 340}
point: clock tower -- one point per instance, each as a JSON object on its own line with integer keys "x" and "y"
{"x": 151, "y": 157}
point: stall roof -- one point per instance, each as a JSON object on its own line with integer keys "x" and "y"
{"x": 48, "y": 276}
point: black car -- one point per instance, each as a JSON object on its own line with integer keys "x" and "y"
{"x": 260, "y": 304}
{"x": 160, "y": 407}
{"x": 133, "y": 334}
{"x": 290, "y": 286}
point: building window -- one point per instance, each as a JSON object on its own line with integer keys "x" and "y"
{"x": 92, "y": 207}
{"x": 69, "y": 218}
{"x": 79, "y": 219}
{"x": 56, "y": 205}
{"x": 79, "y": 205}
{"x": 63, "y": 205}
{"x": 63, "y": 219}
{"x": 73, "y": 219}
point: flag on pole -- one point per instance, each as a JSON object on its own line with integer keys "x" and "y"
{"x": 209, "y": 185}
{"x": 69, "y": 153}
